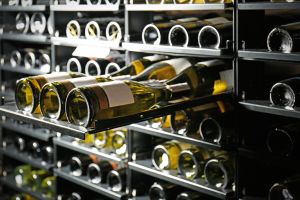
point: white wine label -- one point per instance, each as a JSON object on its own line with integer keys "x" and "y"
{"x": 155, "y": 58}
{"x": 121, "y": 77}
{"x": 83, "y": 81}
{"x": 227, "y": 76}
{"x": 205, "y": 107}
{"x": 217, "y": 20}
{"x": 57, "y": 76}
{"x": 118, "y": 93}
{"x": 179, "y": 64}
{"x": 211, "y": 63}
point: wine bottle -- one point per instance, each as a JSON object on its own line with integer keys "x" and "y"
{"x": 94, "y": 2}
{"x": 286, "y": 93}
{"x": 48, "y": 187}
{"x": 163, "y": 70}
{"x": 21, "y": 197}
{"x": 97, "y": 173}
{"x": 217, "y": 128}
{"x": 103, "y": 139}
{"x": 7, "y": 141}
{"x": 165, "y": 156}
{"x": 219, "y": 171}
{"x": 216, "y": 34}
{"x": 75, "y": 28}
{"x": 163, "y": 123}
{"x": 116, "y": 180}
{"x": 22, "y": 175}
{"x": 114, "y": 30}
{"x": 287, "y": 189}
{"x": 28, "y": 89}
{"x": 75, "y": 2}
{"x": 34, "y": 149}
{"x": 16, "y": 58}
{"x": 137, "y": 66}
{"x": 13, "y": 2}
{"x": 186, "y": 122}
{"x": 77, "y": 64}
{"x": 113, "y": 67}
{"x": 37, "y": 176}
{"x": 163, "y": 190}
{"x": 191, "y": 162}
{"x": 79, "y": 164}
{"x": 112, "y": 2}
{"x": 81, "y": 112}
{"x": 38, "y": 23}
{"x": 119, "y": 143}
{"x": 20, "y": 144}
{"x": 191, "y": 195}
{"x": 95, "y": 28}
{"x": 47, "y": 154}
{"x": 159, "y": 1}
{"x": 75, "y": 196}
{"x": 26, "y": 3}
{"x": 44, "y": 61}
{"x": 29, "y": 60}
{"x": 96, "y": 67}
{"x": 53, "y": 95}
{"x": 284, "y": 140}
{"x": 157, "y": 33}
{"x": 284, "y": 38}
{"x": 22, "y": 22}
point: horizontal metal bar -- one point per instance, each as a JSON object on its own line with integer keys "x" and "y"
{"x": 268, "y": 6}
{"x": 33, "y": 8}
{"x": 266, "y": 55}
{"x": 23, "y": 70}
{"x": 26, "y": 38}
{"x": 74, "y": 8}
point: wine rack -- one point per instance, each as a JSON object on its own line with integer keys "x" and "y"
{"x": 246, "y": 60}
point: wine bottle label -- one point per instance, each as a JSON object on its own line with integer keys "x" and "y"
{"x": 154, "y": 58}
{"x": 77, "y": 82}
{"x": 180, "y": 87}
{"x": 179, "y": 64}
{"x": 56, "y": 76}
{"x": 216, "y": 20}
{"x": 122, "y": 77}
{"x": 227, "y": 76}
{"x": 189, "y": 19}
{"x": 116, "y": 89}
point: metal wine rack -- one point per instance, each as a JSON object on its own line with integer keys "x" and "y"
{"x": 245, "y": 62}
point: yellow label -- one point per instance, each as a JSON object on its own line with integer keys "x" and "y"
{"x": 221, "y": 106}
{"x": 138, "y": 66}
{"x": 219, "y": 86}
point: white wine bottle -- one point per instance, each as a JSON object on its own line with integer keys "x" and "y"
{"x": 96, "y": 67}
{"x": 38, "y": 23}
{"x": 98, "y": 172}
{"x": 191, "y": 162}
{"x": 77, "y": 64}
{"x": 48, "y": 186}
{"x": 22, "y": 22}
{"x": 37, "y": 176}
{"x": 53, "y": 95}
{"x": 103, "y": 139}
{"x": 83, "y": 108}
{"x": 118, "y": 141}
{"x": 165, "y": 156}
{"x": 79, "y": 164}
{"x": 284, "y": 38}
{"x": 28, "y": 89}
{"x": 75, "y": 28}
{"x": 22, "y": 175}
{"x": 114, "y": 30}
{"x": 116, "y": 180}
{"x": 16, "y": 58}
{"x": 139, "y": 65}
{"x": 219, "y": 171}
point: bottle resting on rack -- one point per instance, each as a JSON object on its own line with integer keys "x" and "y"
{"x": 139, "y": 65}
{"x": 103, "y": 139}
{"x": 22, "y": 175}
{"x": 28, "y": 89}
{"x": 48, "y": 187}
{"x": 165, "y": 156}
{"x": 163, "y": 190}
{"x": 37, "y": 176}
{"x": 116, "y": 180}
{"x": 118, "y": 142}
{"x": 38, "y": 23}
{"x": 86, "y": 104}
{"x": 77, "y": 64}
{"x": 22, "y": 22}
{"x": 191, "y": 195}
{"x": 286, "y": 93}
{"x": 287, "y": 189}
{"x": 97, "y": 172}
{"x": 79, "y": 164}
{"x": 285, "y": 38}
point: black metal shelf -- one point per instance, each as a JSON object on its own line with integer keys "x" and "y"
{"x": 43, "y": 39}
{"x": 10, "y": 110}
{"x": 264, "y": 106}
{"x": 84, "y": 8}
{"x": 173, "y": 136}
{"x": 145, "y": 167}
{"x": 268, "y": 6}
{"x": 176, "y": 7}
{"x": 68, "y": 142}
{"x": 266, "y": 55}
{"x": 267, "y": 157}
{"x": 33, "y": 8}
{"x": 102, "y": 189}
{"x": 74, "y": 42}
{"x": 172, "y": 50}
{"x": 23, "y": 70}
{"x": 25, "y": 158}
{"x": 38, "y": 133}
{"x": 10, "y": 182}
